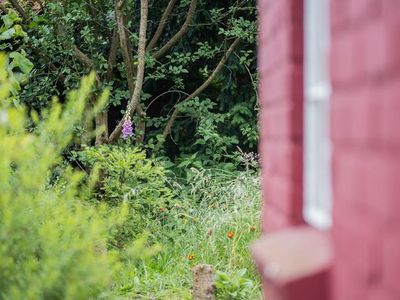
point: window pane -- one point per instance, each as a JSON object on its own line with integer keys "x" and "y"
{"x": 317, "y": 185}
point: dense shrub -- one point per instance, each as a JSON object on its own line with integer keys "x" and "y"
{"x": 127, "y": 175}
{"x": 74, "y": 235}
{"x": 58, "y": 43}
{"x": 52, "y": 245}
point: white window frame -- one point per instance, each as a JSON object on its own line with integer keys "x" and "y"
{"x": 317, "y": 90}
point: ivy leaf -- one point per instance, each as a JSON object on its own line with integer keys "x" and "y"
{"x": 9, "y": 20}
{"x": 8, "y": 34}
{"x": 21, "y": 61}
{"x": 19, "y": 32}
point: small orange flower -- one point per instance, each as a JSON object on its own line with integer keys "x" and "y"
{"x": 253, "y": 228}
{"x": 230, "y": 234}
{"x": 161, "y": 209}
{"x": 190, "y": 257}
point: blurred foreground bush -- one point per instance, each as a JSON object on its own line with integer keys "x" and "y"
{"x": 52, "y": 244}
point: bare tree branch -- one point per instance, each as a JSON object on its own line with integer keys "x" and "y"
{"x": 161, "y": 25}
{"x": 175, "y": 39}
{"x": 134, "y": 101}
{"x": 19, "y": 9}
{"x": 200, "y": 89}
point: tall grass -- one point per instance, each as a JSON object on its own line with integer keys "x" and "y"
{"x": 221, "y": 205}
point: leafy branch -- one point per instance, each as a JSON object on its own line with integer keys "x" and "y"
{"x": 161, "y": 25}
{"x": 200, "y": 89}
{"x": 176, "y": 38}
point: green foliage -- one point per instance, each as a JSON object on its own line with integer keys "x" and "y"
{"x": 233, "y": 286}
{"x": 210, "y": 139}
{"x": 197, "y": 233}
{"x": 72, "y": 234}
{"x": 13, "y": 39}
{"x": 50, "y": 36}
{"x": 127, "y": 175}
{"x": 52, "y": 245}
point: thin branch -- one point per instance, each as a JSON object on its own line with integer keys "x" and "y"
{"x": 134, "y": 101}
{"x": 124, "y": 43}
{"x": 19, "y": 9}
{"x": 200, "y": 89}
{"x": 161, "y": 25}
{"x": 140, "y": 123}
{"x": 164, "y": 93}
{"x": 87, "y": 125}
{"x": 251, "y": 78}
{"x": 175, "y": 39}
{"x": 85, "y": 60}
{"x": 79, "y": 55}
{"x": 3, "y": 8}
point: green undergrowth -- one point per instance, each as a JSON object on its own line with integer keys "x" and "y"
{"x": 216, "y": 228}
{"x": 112, "y": 222}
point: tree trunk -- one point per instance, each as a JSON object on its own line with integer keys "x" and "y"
{"x": 203, "y": 283}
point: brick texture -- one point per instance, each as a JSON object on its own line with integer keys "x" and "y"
{"x": 365, "y": 133}
{"x": 281, "y": 90}
{"x": 365, "y": 72}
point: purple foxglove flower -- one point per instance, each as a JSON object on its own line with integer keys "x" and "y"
{"x": 127, "y": 129}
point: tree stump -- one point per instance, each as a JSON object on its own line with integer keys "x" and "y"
{"x": 203, "y": 283}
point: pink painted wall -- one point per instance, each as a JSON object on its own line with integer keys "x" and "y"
{"x": 365, "y": 116}
{"x": 281, "y": 91}
{"x": 365, "y": 69}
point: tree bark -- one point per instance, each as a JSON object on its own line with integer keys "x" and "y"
{"x": 135, "y": 99}
{"x": 19, "y": 9}
{"x": 175, "y": 39}
{"x": 3, "y": 8}
{"x": 161, "y": 25}
{"x": 203, "y": 283}
{"x": 85, "y": 60}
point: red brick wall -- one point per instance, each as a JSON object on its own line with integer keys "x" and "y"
{"x": 365, "y": 68}
{"x": 281, "y": 93}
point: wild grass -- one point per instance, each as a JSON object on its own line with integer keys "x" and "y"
{"x": 216, "y": 228}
